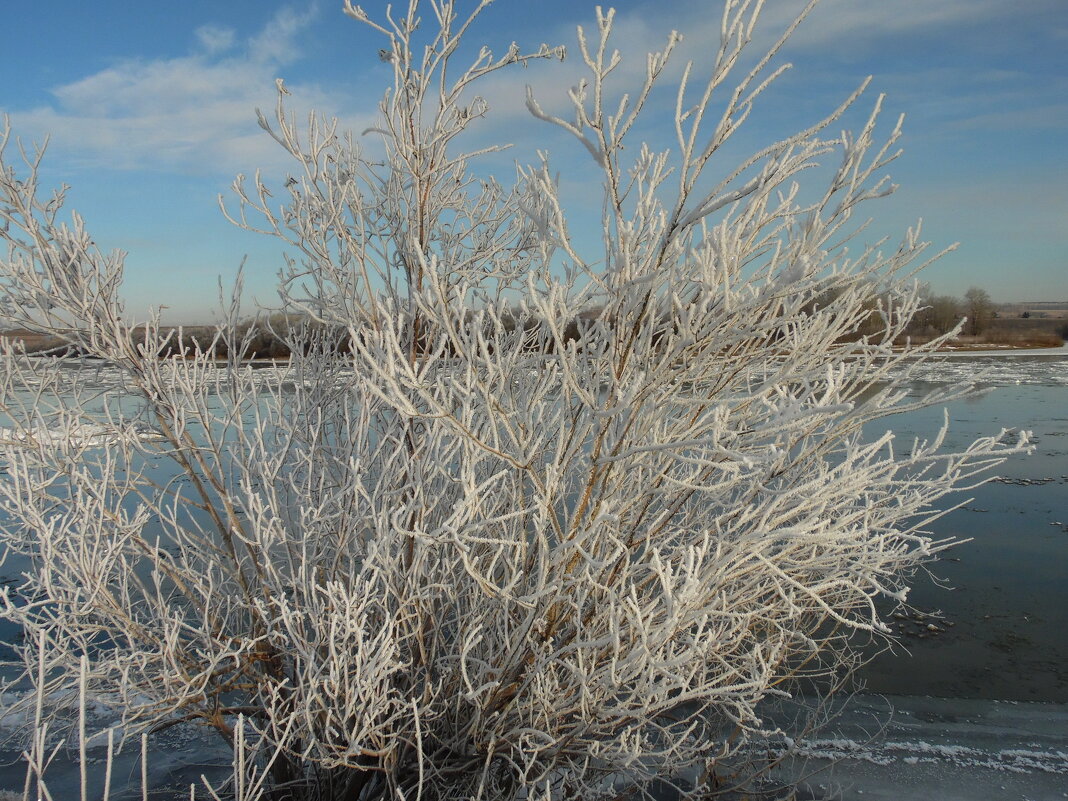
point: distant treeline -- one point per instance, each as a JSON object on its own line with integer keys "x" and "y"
{"x": 259, "y": 339}
{"x": 271, "y": 337}
{"x": 986, "y": 322}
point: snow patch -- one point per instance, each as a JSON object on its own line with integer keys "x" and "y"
{"x": 86, "y": 434}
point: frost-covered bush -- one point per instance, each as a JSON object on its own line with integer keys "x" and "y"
{"x": 510, "y": 522}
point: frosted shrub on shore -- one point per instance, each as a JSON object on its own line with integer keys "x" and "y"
{"x": 540, "y": 526}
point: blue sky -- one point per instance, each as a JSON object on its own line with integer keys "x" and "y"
{"x": 150, "y": 107}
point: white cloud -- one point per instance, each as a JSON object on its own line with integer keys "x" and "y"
{"x": 276, "y": 44}
{"x": 860, "y": 21}
{"x": 876, "y": 31}
{"x": 215, "y": 39}
{"x": 194, "y": 113}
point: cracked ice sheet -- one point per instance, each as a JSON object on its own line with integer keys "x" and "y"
{"x": 1005, "y": 368}
{"x": 913, "y": 748}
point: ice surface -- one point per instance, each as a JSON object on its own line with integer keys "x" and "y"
{"x": 926, "y": 748}
{"x": 997, "y": 368}
{"x": 89, "y": 434}
{"x": 904, "y": 748}
{"x": 909, "y": 748}
{"x": 177, "y": 757}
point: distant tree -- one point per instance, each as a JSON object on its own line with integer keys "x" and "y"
{"x": 979, "y": 309}
{"x": 945, "y": 312}
{"x": 938, "y": 314}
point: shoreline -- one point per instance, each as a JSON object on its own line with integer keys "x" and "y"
{"x": 14, "y": 338}
{"x": 971, "y": 347}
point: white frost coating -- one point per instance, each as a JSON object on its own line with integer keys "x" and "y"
{"x": 515, "y": 520}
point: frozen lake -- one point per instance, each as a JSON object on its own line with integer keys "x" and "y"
{"x": 994, "y": 630}
{"x": 1003, "y": 612}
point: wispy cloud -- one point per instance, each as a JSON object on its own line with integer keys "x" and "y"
{"x": 215, "y": 39}
{"x": 276, "y": 43}
{"x": 863, "y": 21}
{"x": 971, "y": 89}
{"x": 190, "y": 114}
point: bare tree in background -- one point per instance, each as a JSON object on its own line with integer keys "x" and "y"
{"x": 546, "y": 526}
{"x": 979, "y": 309}
{"x": 938, "y": 314}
